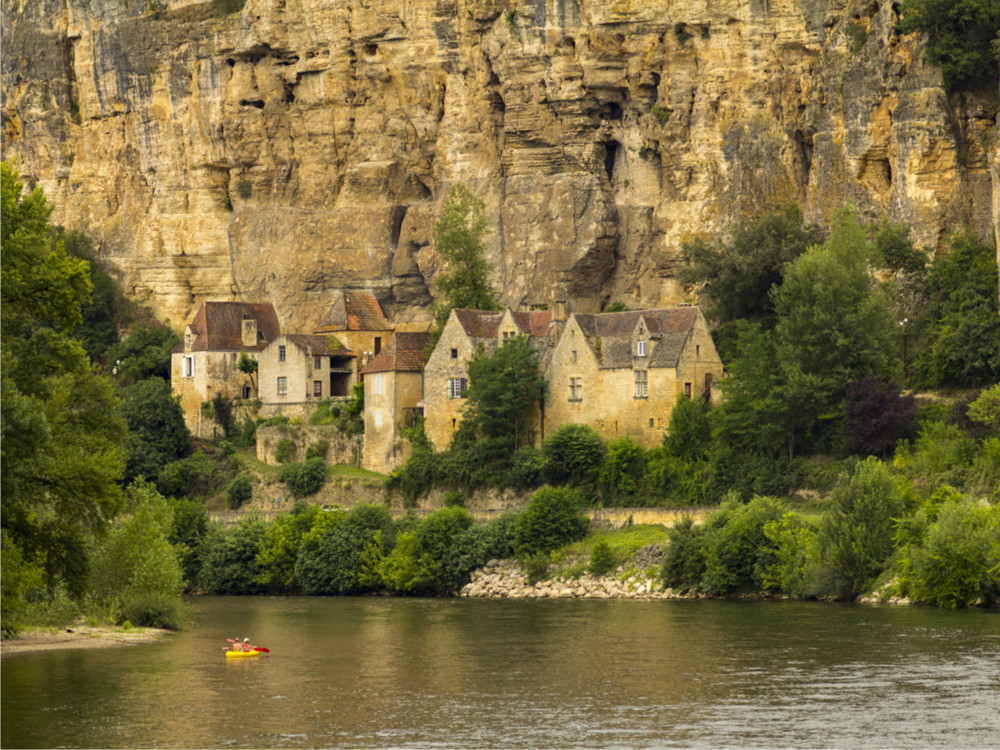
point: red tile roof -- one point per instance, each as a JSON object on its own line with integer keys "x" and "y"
{"x": 354, "y": 311}
{"x": 405, "y": 352}
{"x": 219, "y": 326}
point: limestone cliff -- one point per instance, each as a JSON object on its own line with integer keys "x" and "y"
{"x": 299, "y": 146}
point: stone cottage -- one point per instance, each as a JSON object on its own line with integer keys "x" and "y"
{"x": 464, "y": 334}
{"x": 394, "y": 390}
{"x": 205, "y": 361}
{"x": 357, "y": 320}
{"x": 622, "y": 373}
{"x": 297, "y": 370}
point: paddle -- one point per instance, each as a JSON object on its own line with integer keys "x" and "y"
{"x": 262, "y": 649}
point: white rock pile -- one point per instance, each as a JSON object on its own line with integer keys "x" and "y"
{"x": 504, "y": 579}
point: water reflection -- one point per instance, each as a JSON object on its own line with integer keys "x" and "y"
{"x": 466, "y": 673}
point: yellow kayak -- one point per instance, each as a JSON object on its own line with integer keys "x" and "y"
{"x": 242, "y": 654}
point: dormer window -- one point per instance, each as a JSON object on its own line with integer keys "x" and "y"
{"x": 640, "y": 348}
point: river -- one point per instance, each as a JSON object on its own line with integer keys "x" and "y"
{"x": 461, "y": 673}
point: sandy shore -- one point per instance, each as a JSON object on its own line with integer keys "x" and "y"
{"x": 83, "y": 636}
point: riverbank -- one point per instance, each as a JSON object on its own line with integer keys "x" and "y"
{"x": 34, "y": 640}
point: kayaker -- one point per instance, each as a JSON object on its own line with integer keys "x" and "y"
{"x": 246, "y": 644}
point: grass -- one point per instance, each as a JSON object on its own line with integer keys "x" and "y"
{"x": 571, "y": 561}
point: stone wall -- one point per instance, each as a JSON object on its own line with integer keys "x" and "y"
{"x": 344, "y": 450}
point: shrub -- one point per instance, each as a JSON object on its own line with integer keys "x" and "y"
{"x": 602, "y": 558}
{"x": 304, "y": 479}
{"x": 878, "y": 416}
{"x": 453, "y": 498}
{"x": 624, "y": 466}
{"x": 239, "y": 491}
{"x": 230, "y": 565}
{"x": 573, "y": 454}
{"x": 736, "y": 546}
{"x": 348, "y": 555}
{"x": 318, "y": 449}
{"x": 155, "y": 611}
{"x": 285, "y": 450}
{"x": 856, "y": 532}
{"x": 526, "y": 468}
{"x": 551, "y": 519}
{"x": 197, "y": 476}
{"x": 535, "y": 567}
{"x": 684, "y": 559}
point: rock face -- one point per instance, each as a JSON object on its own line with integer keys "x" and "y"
{"x": 294, "y": 147}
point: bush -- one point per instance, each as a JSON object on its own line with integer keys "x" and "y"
{"x": 239, "y": 491}
{"x": 285, "y": 450}
{"x": 602, "y": 558}
{"x": 154, "y": 611}
{"x": 304, "y": 479}
{"x": 624, "y": 466}
{"x": 684, "y": 559}
{"x": 197, "y": 476}
{"x": 526, "y": 468}
{"x": 318, "y": 450}
{"x": 230, "y": 565}
{"x": 348, "y": 555}
{"x": 573, "y": 454}
{"x": 453, "y": 498}
{"x": 735, "y": 546}
{"x": 551, "y": 519}
{"x": 535, "y": 567}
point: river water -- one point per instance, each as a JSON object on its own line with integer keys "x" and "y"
{"x": 461, "y": 673}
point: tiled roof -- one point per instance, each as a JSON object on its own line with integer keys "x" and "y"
{"x": 479, "y": 324}
{"x": 405, "y": 352}
{"x": 669, "y": 329}
{"x": 536, "y": 323}
{"x": 354, "y": 311}
{"x": 219, "y": 326}
{"x": 320, "y": 344}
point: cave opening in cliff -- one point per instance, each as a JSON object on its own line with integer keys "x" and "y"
{"x": 610, "y": 152}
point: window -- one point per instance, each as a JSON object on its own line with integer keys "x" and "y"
{"x": 697, "y": 349}
{"x": 187, "y": 367}
{"x": 377, "y": 384}
{"x": 576, "y": 389}
{"x": 378, "y": 417}
{"x": 318, "y": 388}
{"x": 454, "y": 353}
{"x": 456, "y": 386}
{"x": 640, "y": 348}
{"x": 574, "y": 356}
{"x": 246, "y": 391}
{"x": 378, "y": 344}
{"x": 687, "y": 390}
{"x": 641, "y": 383}
{"x": 317, "y": 363}
{"x": 508, "y": 335}
{"x": 651, "y": 423}
{"x": 281, "y": 354}
{"x": 282, "y": 386}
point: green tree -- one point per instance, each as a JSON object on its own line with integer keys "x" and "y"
{"x": 61, "y": 422}
{"x": 248, "y": 366}
{"x": 459, "y": 240}
{"x": 738, "y": 275}
{"x": 505, "y": 388}
{"x": 136, "y": 573}
{"x": 157, "y": 435}
{"x": 551, "y": 519}
{"x": 347, "y": 556}
{"x": 144, "y": 353}
{"x": 574, "y": 453}
{"x": 963, "y": 37}
{"x": 231, "y": 563}
{"x": 280, "y": 549}
{"x": 856, "y": 532}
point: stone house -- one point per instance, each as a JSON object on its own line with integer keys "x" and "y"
{"x": 357, "y": 320}
{"x": 622, "y": 373}
{"x": 464, "y": 334}
{"x": 394, "y": 390}
{"x": 296, "y": 371}
{"x": 205, "y": 361}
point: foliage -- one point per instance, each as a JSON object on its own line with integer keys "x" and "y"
{"x": 739, "y": 275}
{"x": 878, "y": 416}
{"x": 573, "y": 454}
{"x": 602, "y": 558}
{"x": 304, "y": 479}
{"x": 231, "y": 563}
{"x": 505, "y": 388}
{"x": 239, "y": 490}
{"x": 346, "y": 558}
{"x": 551, "y": 519}
{"x": 157, "y": 435}
{"x": 535, "y": 566}
{"x": 222, "y": 413}
{"x": 199, "y": 475}
{"x": 960, "y": 345}
{"x": 684, "y": 559}
{"x": 318, "y": 449}
{"x": 961, "y": 38}
{"x": 61, "y": 423}
{"x": 143, "y": 353}
{"x": 985, "y": 409}
{"x": 285, "y": 450}
{"x": 689, "y": 436}
{"x": 735, "y": 546}
{"x": 416, "y": 476}
{"x": 856, "y": 531}
{"x": 459, "y": 240}
{"x": 621, "y": 474}
{"x": 187, "y": 536}
{"x": 280, "y": 549}
{"x": 134, "y": 565}
{"x": 951, "y": 554}
{"x": 790, "y": 561}
{"x": 526, "y": 468}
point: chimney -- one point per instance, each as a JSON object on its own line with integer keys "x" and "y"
{"x": 249, "y": 332}
{"x": 559, "y": 310}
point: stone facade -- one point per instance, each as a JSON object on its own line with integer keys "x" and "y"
{"x": 394, "y": 391}
{"x": 296, "y": 369}
{"x": 465, "y": 333}
{"x": 357, "y": 320}
{"x": 622, "y": 373}
{"x": 205, "y": 362}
